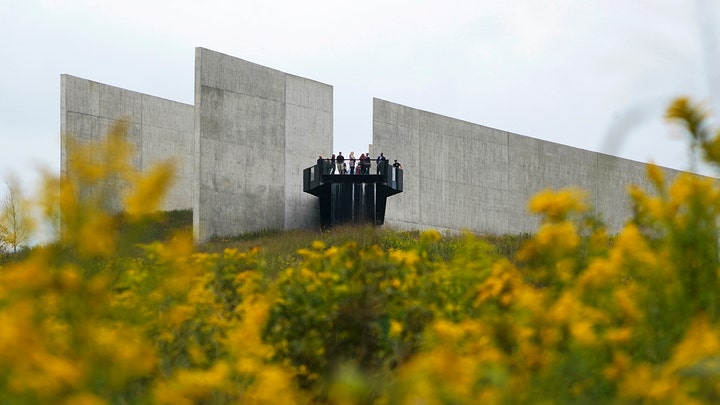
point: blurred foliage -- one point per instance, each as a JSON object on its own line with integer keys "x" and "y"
{"x": 125, "y": 309}
{"x": 15, "y": 222}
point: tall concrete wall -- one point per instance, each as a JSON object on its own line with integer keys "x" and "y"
{"x": 308, "y": 133}
{"x": 460, "y": 175}
{"x": 243, "y": 146}
{"x": 256, "y": 129}
{"x": 158, "y": 129}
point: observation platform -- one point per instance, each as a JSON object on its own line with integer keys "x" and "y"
{"x": 352, "y": 198}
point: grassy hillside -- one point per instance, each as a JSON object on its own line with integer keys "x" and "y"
{"x": 279, "y": 249}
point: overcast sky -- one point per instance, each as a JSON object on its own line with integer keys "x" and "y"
{"x": 596, "y": 75}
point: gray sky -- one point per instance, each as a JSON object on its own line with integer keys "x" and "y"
{"x": 590, "y": 74}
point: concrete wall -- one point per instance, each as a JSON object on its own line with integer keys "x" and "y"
{"x": 158, "y": 129}
{"x": 256, "y": 129}
{"x": 243, "y": 146}
{"x": 460, "y": 175}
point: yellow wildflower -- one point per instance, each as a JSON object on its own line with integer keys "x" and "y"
{"x": 148, "y": 192}
{"x": 430, "y": 235}
{"x": 619, "y": 335}
{"x": 656, "y": 175}
{"x": 701, "y": 341}
{"x": 582, "y": 330}
{"x": 556, "y": 205}
{"x": 396, "y": 329}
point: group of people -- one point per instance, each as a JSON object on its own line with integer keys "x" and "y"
{"x": 338, "y": 164}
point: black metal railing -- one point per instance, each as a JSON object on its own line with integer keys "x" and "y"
{"x": 388, "y": 174}
{"x": 357, "y": 167}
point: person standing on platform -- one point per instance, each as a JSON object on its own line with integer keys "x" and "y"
{"x": 361, "y": 163}
{"x": 340, "y": 161}
{"x": 332, "y": 164}
{"x": 380, "y": 162}
{"x": 352, "y": 162}
{"x": 321, "y": 167}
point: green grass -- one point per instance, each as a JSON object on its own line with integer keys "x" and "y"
{"x": 278, "y": 248}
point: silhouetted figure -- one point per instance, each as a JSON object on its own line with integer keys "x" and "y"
{"x": 365, "y": 163}
{"x": 340, "y": 163}
{"x": 381, "y": 161}
{"x": 320, "y": 167}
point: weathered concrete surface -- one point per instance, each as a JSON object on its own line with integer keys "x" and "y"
{"x": 256, "y": 129}
{"x": 158, "y": 130}
{"x": 243, "y": 146}
{"x": 464, "y": 176}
